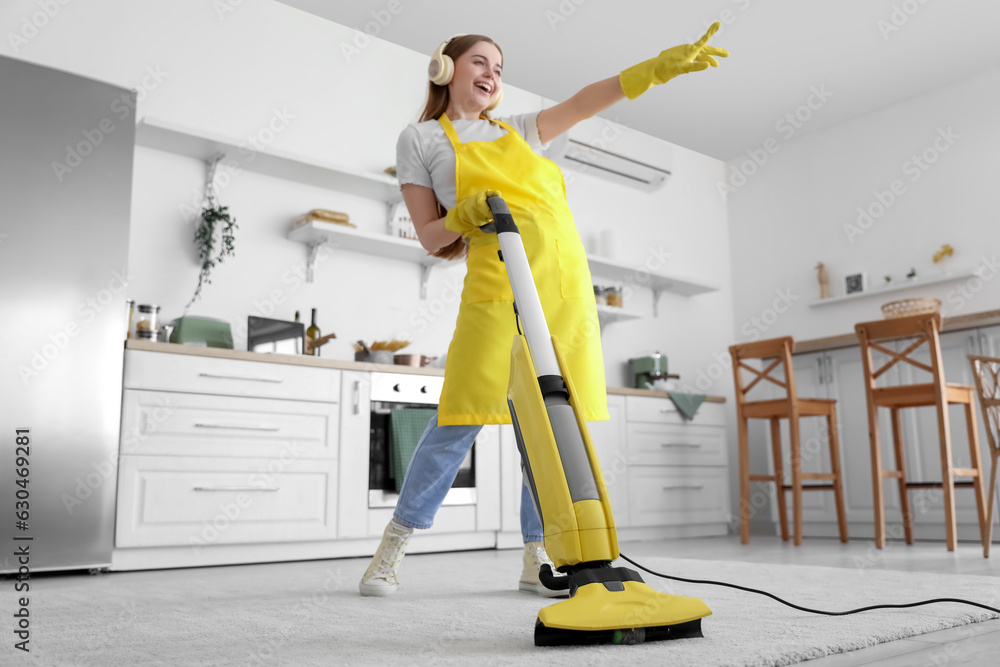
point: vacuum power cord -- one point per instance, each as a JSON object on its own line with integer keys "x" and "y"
{"x": 807, "y": 609}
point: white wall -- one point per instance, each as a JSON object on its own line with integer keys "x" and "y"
{"x": 229, "y": 72}
{"x": 802, "y": 205}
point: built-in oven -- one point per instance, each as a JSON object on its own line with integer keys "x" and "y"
{"x": 391, "y": 392}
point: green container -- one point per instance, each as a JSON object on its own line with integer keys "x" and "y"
{"x": 202, "y": 331}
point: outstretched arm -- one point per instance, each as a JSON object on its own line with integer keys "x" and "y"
{"x": 630, "y": 83}
{"x": 588, "y": 102}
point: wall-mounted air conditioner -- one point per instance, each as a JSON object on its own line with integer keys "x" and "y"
{"x": 607, "y": 150}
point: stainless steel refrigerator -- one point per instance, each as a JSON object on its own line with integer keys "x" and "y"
{"x": 66, "y": 152}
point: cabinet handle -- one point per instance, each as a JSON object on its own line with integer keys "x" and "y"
{"x": 819, "y": 369}
{"x": 241, "y": 377}
{"x": 241, "y": 427}
{"x": 666, "y": 410}
{"x": 683, "y": 486}
{"x": 829, "y": 370}
{"x": 236, "y": 488}
{"x": 681, "y": 444}
{"x": 357, "y": 396}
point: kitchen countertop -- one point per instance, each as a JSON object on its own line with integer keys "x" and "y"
{"x": 302, "y": 360}
{"x": 970, "y": 321}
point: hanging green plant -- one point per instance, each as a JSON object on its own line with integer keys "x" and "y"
{"x": 215, "y": 220}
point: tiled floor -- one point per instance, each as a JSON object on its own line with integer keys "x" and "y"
{"x": 977, "y": 644}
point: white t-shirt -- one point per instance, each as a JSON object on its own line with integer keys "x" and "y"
{"x": 424, "y": 155}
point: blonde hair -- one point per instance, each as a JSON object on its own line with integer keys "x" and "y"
{"x": 438, "y": 98}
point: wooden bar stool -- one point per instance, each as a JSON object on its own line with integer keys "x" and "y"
{"x": 791, "y": 407}
{"x": 936, "y": 393}
{"x": 986, "y": 370}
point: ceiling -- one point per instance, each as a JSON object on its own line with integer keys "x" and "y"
{"x": 863, "y": 55}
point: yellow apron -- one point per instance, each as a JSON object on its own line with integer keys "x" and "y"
{"x": 478, "y": 363}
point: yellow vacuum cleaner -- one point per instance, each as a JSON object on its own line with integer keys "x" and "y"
{"x": 606, "y": 604}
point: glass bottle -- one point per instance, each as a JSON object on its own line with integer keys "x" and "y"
{"x": 312, "y": 335}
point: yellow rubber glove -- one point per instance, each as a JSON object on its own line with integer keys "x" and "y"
{"x": 471, "y": 213}
{"x": 676, "y": 60}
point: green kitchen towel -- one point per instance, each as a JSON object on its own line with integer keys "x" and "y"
{"x": 687, "y": 404}
{"x": 405, "y": 428}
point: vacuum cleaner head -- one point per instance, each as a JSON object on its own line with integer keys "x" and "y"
{"x": 612, "y": 605}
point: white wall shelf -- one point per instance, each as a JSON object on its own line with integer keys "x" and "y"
{"x": 909, "y": 284}
{"x": 206, "y": 146}
{"x": 315, "y": 233}
{"x": 639, "y": 276}
{"x": 608, "y": 314}
{"x": 174, "y": 138}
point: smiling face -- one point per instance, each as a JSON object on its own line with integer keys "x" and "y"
{"x": 476, "y": 83}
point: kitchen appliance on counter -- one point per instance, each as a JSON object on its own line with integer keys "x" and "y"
{"x": 398, "y": 391}
{"x": 418, "y": 360}
{"x": 649, "y": 369}
{"x": 67, "y": 199}
{"x": 202, "y": 331}
{"x": 275, "y": 336}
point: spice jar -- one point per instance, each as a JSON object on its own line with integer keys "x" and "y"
{"x": 614, "y": 296}
{"x": 145, "y": 321}
{"x": 601, "y": 295}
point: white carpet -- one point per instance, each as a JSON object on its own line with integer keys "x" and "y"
{"x": 460, "y": 609}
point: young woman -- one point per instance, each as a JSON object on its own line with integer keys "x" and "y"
{"x": 451, "y": 161}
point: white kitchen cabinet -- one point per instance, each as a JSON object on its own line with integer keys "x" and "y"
{"x": 198, "y": 502}
{"x": 229, "y": 377}
{"x": 676, "y": 469}
{"x": 678, "y": 496}
{"x": 989, "y": 341}
{"x": 355, "y": 420}
{"x": 218, "y": 454}
{"x": 180, "y": 424}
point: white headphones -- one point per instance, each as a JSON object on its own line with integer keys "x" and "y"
{"x": 442, "y": 68}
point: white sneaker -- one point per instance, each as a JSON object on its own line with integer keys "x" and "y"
{"x": 534, "y": 558}
{"x": 380, "y": 578}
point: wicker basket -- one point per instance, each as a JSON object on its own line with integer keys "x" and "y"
{"x": 908, "y": 307}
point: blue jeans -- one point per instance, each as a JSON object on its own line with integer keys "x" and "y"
{"x": 435, "y": 462}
